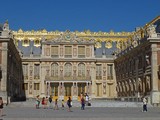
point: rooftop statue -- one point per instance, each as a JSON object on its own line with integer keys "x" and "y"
{"x": 151, "y": 30}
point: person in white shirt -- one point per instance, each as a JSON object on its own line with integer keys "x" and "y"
{"x": 144, "y": 105}
{"x": 86, "y": 99}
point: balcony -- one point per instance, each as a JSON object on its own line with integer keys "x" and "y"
{"x": 99, "y": 77}
{"x": 109, "y": 77}
{"x": 68, "y": 78}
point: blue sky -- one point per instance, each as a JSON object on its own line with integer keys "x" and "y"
{"x": 95, "y": 15}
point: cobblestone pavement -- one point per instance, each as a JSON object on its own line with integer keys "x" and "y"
{"x": 19, "y": 112}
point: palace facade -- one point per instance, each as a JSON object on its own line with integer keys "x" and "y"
{"x": 105, "y": 65}
{"x": 67, "y": 63}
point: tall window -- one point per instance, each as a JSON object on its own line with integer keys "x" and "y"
{"x": 47, "y": 50}
{"x": 37, "y": 43}
{"x": 81, "y": 51}
{"x": 54, "y": 51}
{"x": 68, "y": 51}
{"x": 54, "y": 69}
{"x": 36, "y": 86}
{"x": 26, "y": 43}
{"x": 110, "y": 71}
{"x": 98, "y": 71}
{"x": 81, "y": 69}
{"x": 25, "y": 71}
{"x": 36, "y": 71}
{"x": 68, "y": 70}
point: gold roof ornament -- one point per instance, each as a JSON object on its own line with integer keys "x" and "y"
{"x": 111, "y": 32}
{"x": 20, "y": 31}
{"x": 98, "y": 45}
{"x": 87, "y": 35}
{"x": 108, "y": 44}
{"x": 44, "y": 31}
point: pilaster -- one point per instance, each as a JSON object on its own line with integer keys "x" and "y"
{"x": 43, "y": 71}
{"x": 155, "y": 94}
{"x": 3, "y": 91}
{"x": 93, "y": 78}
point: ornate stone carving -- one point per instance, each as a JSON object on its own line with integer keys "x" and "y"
{"x": 74, "y": 37}
{"x": 135, "y": 43}
{"x": 151, "y": 30}
{"x": 98, "y": 45}
{"x": 30, "y": 87}
{"x": 108, "y": 44}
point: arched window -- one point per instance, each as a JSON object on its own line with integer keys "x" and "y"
{"x": 81, "y": 69}
{"x": 54, "y": 69}
{"x": 68, "y": 70}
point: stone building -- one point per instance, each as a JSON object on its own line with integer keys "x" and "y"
{"x": 137, "y": 66}
{"x": 105, "y": 65}
{"x": 67, "y": 63}
{"x": 11, "y": 76}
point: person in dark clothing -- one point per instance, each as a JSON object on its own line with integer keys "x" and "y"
{"x": 82, "y": 103}
{"x": 69, "y": 104}
{"x": 50, "y": 102}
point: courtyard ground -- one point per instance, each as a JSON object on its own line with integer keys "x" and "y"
{"x": 116, "y": 111}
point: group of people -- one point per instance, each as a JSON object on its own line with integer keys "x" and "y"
{"x": 48, "y": 103}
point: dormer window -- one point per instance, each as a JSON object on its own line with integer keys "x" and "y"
{"x": 37, "y": 43}
{"x": 26, "y": 43}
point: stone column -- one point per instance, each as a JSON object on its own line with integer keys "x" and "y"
{"x": 154, "y": 69}
{"x": 74, "y": 91}
{"x": 4, "y": 58}
{"x": 93, "y": 78}
{"x": 49, "y": 87}
{"x": 61, "y": 90}
{"x": 87, "y": 87}
{"x": 137, "y": 82}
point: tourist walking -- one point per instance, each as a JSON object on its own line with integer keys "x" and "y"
{"x": 43, "y": 102}
{"x": 86, "y": 99}
{"x": 50, "y": 102}
{"x": 62, "y": 104}
{"x": 69, "y": 104}
{"x": 144, "y": 105}
{"x": 37, "y": 102}
{"x": 56, "y": 105}
{"x": 46, "y": 102}
{"x": 1, "y": 106}
{"x": 82, "y": 103}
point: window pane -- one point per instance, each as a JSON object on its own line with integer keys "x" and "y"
{"x": 81, "y": 69}
{"x": 54, "y": 69}
{"x": 98, "y": 71}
